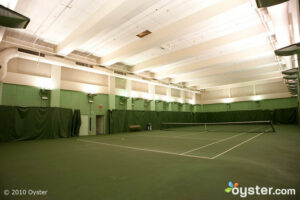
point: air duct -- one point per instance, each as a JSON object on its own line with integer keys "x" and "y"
{"x": 7, "y": 54}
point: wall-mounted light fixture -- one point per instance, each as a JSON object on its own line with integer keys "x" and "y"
{"x": 227, "y": 100}
{"x": 123, "y": 100}
{"x": 44, "y": 94}
{"x": 91, "y": 98}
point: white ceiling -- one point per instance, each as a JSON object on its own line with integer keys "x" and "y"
{"x": 203, "y": 43}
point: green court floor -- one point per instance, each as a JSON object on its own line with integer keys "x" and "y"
{"x": 156, "y": 165}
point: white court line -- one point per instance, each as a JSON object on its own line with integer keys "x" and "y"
{"x": 237, "y": 145}
{"x": 148, "y": 135}
{"x": 181, "y": 135}
{"x": 184, "y": 153}
{"x": 189, "y": 151}
{"x": 174, "y": 137}
{"x": 139, "y": 149}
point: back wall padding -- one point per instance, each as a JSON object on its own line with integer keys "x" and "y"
{"x": 120, "y": 120}
{"x": 31, "y": 123}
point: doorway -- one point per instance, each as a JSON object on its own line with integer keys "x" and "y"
{"x": 100, "y": 124}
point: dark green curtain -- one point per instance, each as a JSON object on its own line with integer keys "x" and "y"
{"x": 286, "y": 116}
{"x": 76, "y": 123}
{"x": 120, "y": 120}
{"x": 30, "y": 123}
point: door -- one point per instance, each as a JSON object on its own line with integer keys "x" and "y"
{"x": 100, "y": 124}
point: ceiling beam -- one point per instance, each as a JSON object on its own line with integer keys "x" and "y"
{"x": 201, "y": 85}
{"x": 234, "y": 75}
{"x": 170, "y": 32}
{"x": 230, "y": 67}
{"x": 243, "y": 84}
{"x": 248, "y": 98}
{"x": 192, "y": 67}
{"x": 106, "y": 18}
{"x": 198, "y": 49}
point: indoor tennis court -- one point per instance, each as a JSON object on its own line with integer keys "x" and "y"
{"x": 149, "y": 99}
{"x": 152, "y": 165}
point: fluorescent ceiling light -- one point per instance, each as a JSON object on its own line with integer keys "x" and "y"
{"x": 256, "y": 98}
{"x": 227, "y": 100}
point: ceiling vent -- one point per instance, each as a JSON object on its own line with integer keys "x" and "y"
{"x": 31, "y": 52}
{"x": 119, "y": 72}
{"x": 84, "y": 64}
{"x": 59, "y": 56}
{"x": 144, "y": 33}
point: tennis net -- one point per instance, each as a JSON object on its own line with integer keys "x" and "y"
{"x": 245, "y": 126}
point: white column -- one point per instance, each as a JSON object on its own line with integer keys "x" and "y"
{"x": 194, "y": 101}
{"x": 56, "y": 80}
{"x": 182, "y": 97}
{"x": 202, "y": 101}
{"x": 151, "y": 91}
{"x": 128, "y": 89}
{"x": 169, "y": 108}
{"x": 112, "y": 91}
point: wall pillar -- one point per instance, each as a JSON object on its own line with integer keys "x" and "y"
{"x": 56, "y": 80}
{"x": 129, "y": 100}
{"x": 169, "y": 107}
{"x": 151, "y": 89}
{"x": 182, "y": 97}
{"x": 111, "y": 95}
{"x": 194, "y": 102}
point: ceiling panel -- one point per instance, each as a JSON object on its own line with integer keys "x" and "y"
{"x": 156, "y": 16}
{"x": 55, "y": 20}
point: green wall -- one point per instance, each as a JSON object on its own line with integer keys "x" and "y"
{"x": 188, "y": 107}
{"x": 176, "y": 107}
{"x": 138, "y": 104}
{"x": 121, "y": 103}
{"x": 268, "y": 104}
{"x": 159, "y": 106}
{"x": 79, "y": 100}
{"x": 21, "y": 95}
